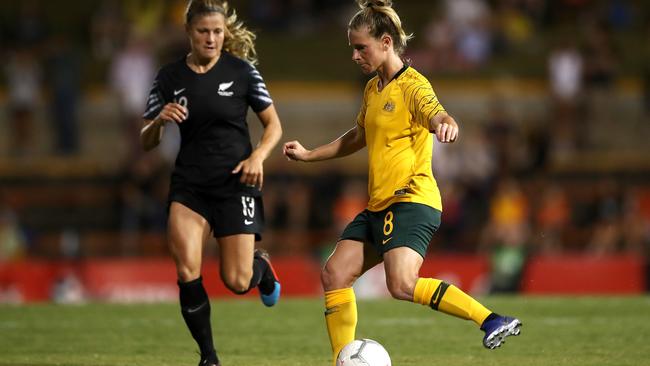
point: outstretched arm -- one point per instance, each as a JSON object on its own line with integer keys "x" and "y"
{"x": 351, "y": 141}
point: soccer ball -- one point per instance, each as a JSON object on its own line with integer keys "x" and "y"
{"x": 364, "y": 352}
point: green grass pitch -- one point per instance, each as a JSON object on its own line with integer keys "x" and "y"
{"x": 556, "y": 332}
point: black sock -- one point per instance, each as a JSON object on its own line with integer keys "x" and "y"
{"x": 259, "y": 268}
{"x": 262, "y": 277}
{"x": 195, "y": 307}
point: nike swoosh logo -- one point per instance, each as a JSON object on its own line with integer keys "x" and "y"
{"x": 386, "y": 240}
{"x": 435, "y": 299}
{"x": 194, "y": 310}
{"x": 176, "y": 92}
{"x": 437, "y": 295}
{"x": 248, "y": 222}
{"x": 332, "y": 310}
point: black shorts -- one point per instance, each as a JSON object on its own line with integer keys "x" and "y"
{"x": 238, "y": 214}
{"x": 402, "y": 224}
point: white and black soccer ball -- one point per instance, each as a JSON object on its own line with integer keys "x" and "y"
{"x": 363, "y": 352}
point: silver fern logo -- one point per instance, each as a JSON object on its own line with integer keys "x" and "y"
{"x": 223, "y": 89}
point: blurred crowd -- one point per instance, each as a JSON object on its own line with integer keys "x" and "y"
{"x": 466, "y": 34}
{"x": 46, "y": 64}
{"x": 500, "y": 195}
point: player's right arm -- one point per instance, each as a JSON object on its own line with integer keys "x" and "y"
{"x": 152, "y": 130}
{"x": 351, "y": 141}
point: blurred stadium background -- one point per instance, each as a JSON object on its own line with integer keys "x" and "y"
{"x": 546, "y": 192}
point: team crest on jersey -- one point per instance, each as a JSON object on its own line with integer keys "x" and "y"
{"x": 389, "y": 106}
{"x": 223, "y": 89}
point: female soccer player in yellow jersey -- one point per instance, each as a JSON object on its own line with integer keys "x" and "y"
{"x": 400, "y": 111}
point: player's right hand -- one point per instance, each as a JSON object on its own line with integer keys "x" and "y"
{"x": 173, "y": 112}
{"x": 293, "y": 150}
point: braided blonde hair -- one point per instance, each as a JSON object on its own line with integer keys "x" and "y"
{"x": 380, "y": 18}
{"x": 239, "y": 41}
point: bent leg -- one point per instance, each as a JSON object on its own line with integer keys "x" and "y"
{"x": 237, "y": 269}
{"x": 243, "y": 268}
{"x": 402, "y": 267}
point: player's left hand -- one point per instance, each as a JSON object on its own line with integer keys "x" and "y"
{"x": 252, "y": 171}
{"x": 447, "y": 130}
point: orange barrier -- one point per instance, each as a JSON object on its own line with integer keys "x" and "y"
{"x": 31, "y": 280}
{"x": 580, "y": 274}
{"x": 155, "y": 279}
{"x": 151, "y": 279}
{"x": 128, "y": 280}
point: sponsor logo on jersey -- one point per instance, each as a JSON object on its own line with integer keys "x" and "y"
{"x": 176, "y": 92}
{"x": 404, "y": 190}
{"x": 223, "y": 89}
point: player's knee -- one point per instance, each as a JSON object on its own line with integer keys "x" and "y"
{"x": 239, "y": 287}
{"x": 334, "y": 279}
{"x": 400, "y": 289}
{"x": 187, "y": 273}
{"x": 187, "y": 268}
{"x": 238, "y": 283}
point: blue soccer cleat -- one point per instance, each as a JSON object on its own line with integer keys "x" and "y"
{"x": 497, "y": 328}
{"x": 270, "y": 277}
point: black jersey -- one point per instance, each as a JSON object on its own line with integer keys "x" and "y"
{"x": 215, "y": 135}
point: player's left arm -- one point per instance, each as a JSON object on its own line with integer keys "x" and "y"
{"x": 252, "y": 170}
{"x": 427, "y": 110}
{"x": 444, "y": 126}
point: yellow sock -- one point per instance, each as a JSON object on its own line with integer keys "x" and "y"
{"x": 449, "y": 299}
{"x": 341, "y": 318}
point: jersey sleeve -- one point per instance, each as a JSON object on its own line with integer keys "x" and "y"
{"x": 422, "y": 101}
{"x": 156, "y": 100}
{"x": 361, "y": 117}
{"x": 258, "y": 96}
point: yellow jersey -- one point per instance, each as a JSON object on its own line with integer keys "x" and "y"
{"x": 400, "y": 145}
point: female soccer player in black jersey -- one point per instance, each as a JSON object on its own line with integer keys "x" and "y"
{"x": 216, "y": 182}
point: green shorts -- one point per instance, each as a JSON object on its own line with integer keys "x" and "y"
{"x": 402, "y": 224}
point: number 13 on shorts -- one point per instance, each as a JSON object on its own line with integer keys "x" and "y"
{"x": 248, "y": 206}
